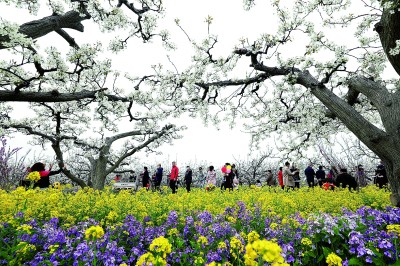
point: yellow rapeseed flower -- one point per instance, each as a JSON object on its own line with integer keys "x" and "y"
{"x": 173, "y": 232}
{"x": 222, "y": 245}
{"x": 112, "y": 216}
{"x": 147, "y": 259}
{"x": 53, "y": 248}
{"x": 236, "y": 246}
{"x": 161, "y": 245}
{"x": 24, "y": 248}
{"x": 393, "y": 228}
{"x": 306, "y": 241}
{"x": 202, "y": 240}
{"x": 25, "y": 227}
{"x": 33, "y": 176}
{"x": 199, "y": 260}
{"x": 263, "y": 250}
{"x": 273, "y": 226}
{"x": 253, "y": 236}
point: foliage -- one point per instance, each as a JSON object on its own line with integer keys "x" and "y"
{"x": 108, "y": 207}
{"x": 265, "y": 228}
{"x": 12, "y": 168}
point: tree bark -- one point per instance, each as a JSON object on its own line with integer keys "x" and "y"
{"x": 53, "y": 96}
{"x": 38, "y": 28}
{"x": 388, "y": 30}
{"x": 99, "y": 179}
{"x": 60, "y": 158}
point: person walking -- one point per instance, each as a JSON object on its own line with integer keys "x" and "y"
{"x": 296, "y": 176}
{"x": 211, "y": 178}
{"x": 361, "y": 177}
{"x": 146, "y": 178}
{"x": 173, "y": 177}
{"x": 345, "y": 180}
{"x": 188, "y": 178}
{"x": 201, "y": 177}
{"x": 117, "y": 178}
{"x": 320, "y": 175}
{"x": 280, "y": 177}
{"x": 235, "y": 172}
{"x": 381, "y": 179}
{"x": 270, "y": 179}
{"x": 159, "y": 174}
{"x": 310, "y": 175}
{"x": 228, "y": 177}
{"x": 288, "y": 180}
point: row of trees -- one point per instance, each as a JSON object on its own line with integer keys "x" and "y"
{"x": 303, "y": 82}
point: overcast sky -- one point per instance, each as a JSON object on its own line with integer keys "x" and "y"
{"x": 230, "y": 22}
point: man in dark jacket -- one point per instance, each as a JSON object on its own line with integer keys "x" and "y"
{"x": 320, "y": 175}
{"x": 310, "y": 174}
{"x": 346, "y": 180}
{"x": 159, "y": 174}
{"x": 188, "y": 178}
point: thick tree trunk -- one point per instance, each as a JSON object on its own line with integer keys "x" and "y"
{"x": 393, "y": 172}
{"x": 388, "y": 30}
{"x": 100, "y": 173}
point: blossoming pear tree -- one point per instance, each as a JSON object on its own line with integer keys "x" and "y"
{"x": 75, "y": 99}
{"x": 320, "y": 67}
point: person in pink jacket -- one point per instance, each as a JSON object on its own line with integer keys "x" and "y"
{"x": 44, "y": 181}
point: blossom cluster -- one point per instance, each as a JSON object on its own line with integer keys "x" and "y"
{"x": 33, "y": 176}
{"x": 109, "y": 208}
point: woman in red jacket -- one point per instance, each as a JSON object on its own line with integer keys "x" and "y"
{"x": 173, "y": 177}
{"x": 280, "y": 178}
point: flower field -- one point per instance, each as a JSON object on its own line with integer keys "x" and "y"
{"x": 247, "y": 227}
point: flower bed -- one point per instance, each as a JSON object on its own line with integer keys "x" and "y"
{"x": 249, "y": 227}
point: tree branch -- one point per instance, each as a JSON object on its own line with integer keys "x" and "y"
{"x": 68, "y": 38}
{"x": 156, "y": 136}
{"x": 41, "y": 27}
{"x": 54, "y": 96}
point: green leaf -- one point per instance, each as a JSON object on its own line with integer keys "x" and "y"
{"x": 354, "y": 261}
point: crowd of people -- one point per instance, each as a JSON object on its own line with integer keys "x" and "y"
{"x": 342, "y": 178}
{"x": 207, "y": 178}
{"x": 287, "y": 177}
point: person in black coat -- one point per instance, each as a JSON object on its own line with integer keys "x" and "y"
{"x": 188, "y": 178}
{"x": 381, "y": 179}
{"x": 228, "y": 179}
{"x": 44, "y": 181}
{"x": 159, "y": 174}
{"x": 320, "y": 175}
{"x": 346, "y": 180}
{"x": 146, "y": 178}
{"x": 310, "y": 174}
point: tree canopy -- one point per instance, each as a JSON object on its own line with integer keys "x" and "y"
{"x": 78, "y": 102}
{"x": 318, "y": 67}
